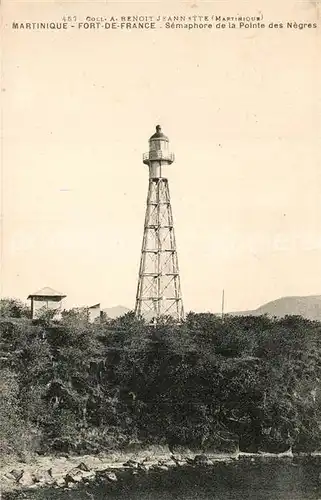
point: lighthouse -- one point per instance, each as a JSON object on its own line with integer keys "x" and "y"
{"x": 159, "y": 288}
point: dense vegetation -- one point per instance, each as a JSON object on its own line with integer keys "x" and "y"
{"x": 74, "y": 386}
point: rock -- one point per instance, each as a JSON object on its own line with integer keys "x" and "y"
{"x": 106, "y": 474}
{"x": 26, "y": 479}
{"x": 100, "y": 474}
{"x": 77, "y": 478}
{"x": 79, "y": 474}
{"x": 160, "y": 467}
{"x": 177, "y": 460}
{"x": 17, "y": 474}
{"x": 9, "y": 476}
{"x": 163, "y": 462}
{"x": 202, "y": 460}
{"x": 83, "y": 466}
{"x": 69, "y": 479}
{"x": 43, "y": 476}
{"x": 71, "y": 486}
{"x": 111, "y": 476}
{"x": 75, "y": 471}
{"x": 87, "y": 476}
{"x": 199, "y": 460}
{"x": 131, "y": 463}
{"x": 73, "y": 477}
{"x": 60, "y": 482}
{"x": 32, "y": 487}
{"x": 143, "y": 467}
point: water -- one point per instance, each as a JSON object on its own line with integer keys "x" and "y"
{"x": 233, "y": 481}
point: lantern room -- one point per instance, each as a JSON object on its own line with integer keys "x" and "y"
{"x": 158, "y": 154}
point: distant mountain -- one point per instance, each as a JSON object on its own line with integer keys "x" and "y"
{"x": 309, "y": 307}
{"x": 114, "y": 312}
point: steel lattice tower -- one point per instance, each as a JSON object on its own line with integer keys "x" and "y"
{"x": 159, "y": 289}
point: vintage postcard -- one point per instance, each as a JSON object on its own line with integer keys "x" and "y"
{"x": 160, "y": 308}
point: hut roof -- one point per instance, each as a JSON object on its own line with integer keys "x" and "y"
{"x": 47, "y": 292}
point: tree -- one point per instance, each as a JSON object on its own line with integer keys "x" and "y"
{"x": 13, "y": 308}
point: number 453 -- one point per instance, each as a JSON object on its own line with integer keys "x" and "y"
{"x": 69, "y": 19}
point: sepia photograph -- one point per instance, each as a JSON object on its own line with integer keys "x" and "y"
{"x": 160, "y": 257}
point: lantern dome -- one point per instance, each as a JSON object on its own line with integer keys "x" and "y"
{"x": 159, "y": 135}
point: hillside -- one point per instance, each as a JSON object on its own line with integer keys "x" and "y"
{"x": 116, "y": 311}
{"x": 309, "y": 307}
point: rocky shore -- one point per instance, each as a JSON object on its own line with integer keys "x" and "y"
{"x": 111, "y": 471}
{"x": 69, "y": 471}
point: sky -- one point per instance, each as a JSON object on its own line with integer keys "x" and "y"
{"x": 242, "y": 109}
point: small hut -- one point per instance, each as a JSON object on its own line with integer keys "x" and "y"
{"x": 46, "y": 299}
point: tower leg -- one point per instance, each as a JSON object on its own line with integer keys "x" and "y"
{"x": 139, "y": 293}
